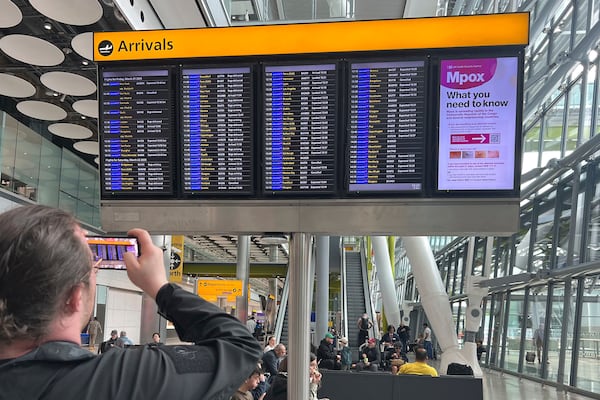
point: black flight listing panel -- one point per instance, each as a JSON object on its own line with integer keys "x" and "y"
{"x": 217, "y": 128}
{"x": 387, "y": 126}
{"x": 136, "y": 130}
{"x": 300, "y": 129}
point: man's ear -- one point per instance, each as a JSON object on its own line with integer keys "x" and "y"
{"x": 74, "y": 300}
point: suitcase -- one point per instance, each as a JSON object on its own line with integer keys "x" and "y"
{"x": 530, "y": 357}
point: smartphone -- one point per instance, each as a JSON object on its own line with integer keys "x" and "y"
{"x": 110, "y": 250}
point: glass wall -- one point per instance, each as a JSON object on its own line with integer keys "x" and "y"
{"x": 588, "y": 377}
{"x": 36, "y": 169}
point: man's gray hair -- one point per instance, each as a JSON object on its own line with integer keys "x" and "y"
{"x": 41, "y": 261}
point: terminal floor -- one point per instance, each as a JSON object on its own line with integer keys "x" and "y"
{"x": 503, "y": 386}
{"x": 499, "y": 386}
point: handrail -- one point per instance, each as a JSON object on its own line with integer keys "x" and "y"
{"x": 369, "y": 308}
{"x": 285, "y": 294}
{"x": 344, "y": 290}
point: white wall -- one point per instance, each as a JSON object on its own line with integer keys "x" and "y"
{"x": 123, "y": 313}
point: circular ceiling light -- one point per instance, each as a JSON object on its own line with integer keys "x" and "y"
{"x": 89, "y": 108}
{"x": 70, "y": 131}
{"x": 13, "y": 86}
{"x": 273, "y": 238}
{"x": 68, "y": 83}
{"x": 31, "y": 50}
{"x": 72, "y": 12}
{"x": 10, "y": 15}
{"x": 88, "y": 147}
{"x": 41, "y": 110}
{"x": 83, "y": 44}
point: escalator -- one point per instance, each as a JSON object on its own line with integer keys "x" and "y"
{"x": 356, "y": 292}
{"x": 281, "y": 324}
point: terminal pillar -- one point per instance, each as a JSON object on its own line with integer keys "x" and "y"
{"x": 434, "y": 299}
{"x": 299, "y": 316}
{"x": 322, "y": 295}
{"x": 386, "y": 280}
{"x": 151, "y": 321}
{"x": 243, "y": 273}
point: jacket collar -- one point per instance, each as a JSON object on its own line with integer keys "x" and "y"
{"x": 55, "y": 351}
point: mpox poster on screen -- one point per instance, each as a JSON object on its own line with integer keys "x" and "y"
{"x": 477, "y": 124}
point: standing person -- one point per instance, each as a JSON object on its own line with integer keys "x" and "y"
{"x": 364, "y": 324}
{"x": 251, "y": 324}
{"x": 538, "y": 341}
{"x": 404, "y": 335}
{"x": 427, "y": 344}
{"x": 346, "y": 354}
{"x": 94, "y": 328}
{"x": 47, "y": 292}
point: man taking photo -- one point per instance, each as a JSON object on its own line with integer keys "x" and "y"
{"x": 47, "y": 292}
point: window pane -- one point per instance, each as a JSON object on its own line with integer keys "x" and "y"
{"x": 589, "y": 353}
{"x": 50, "y": 159}
{"x": 8, "y": 151}
{"x": 497, "y": 316}
{"x": 535, "y": 324}
{"x": 513, "y": 331}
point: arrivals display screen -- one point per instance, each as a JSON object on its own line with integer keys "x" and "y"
{"x": 387, "y": 111}
{"x": 300, "y": 105}
{"x": 336, "y": 127}
{"x": 478, "y": 112}
{"x": 217, "y": 130}
{"x": 136, "y": 128}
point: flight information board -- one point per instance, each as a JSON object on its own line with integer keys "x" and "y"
{"x": 217, "y": 129}
{"x": 300, "y": 129}
{"x": 387, "y": 126}
{"x": 136, "y": 150}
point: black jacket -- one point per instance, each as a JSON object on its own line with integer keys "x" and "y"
{"x": 278, "y": 389}
{"x": 326, "y": 351}
{"x": 224, "y": 355}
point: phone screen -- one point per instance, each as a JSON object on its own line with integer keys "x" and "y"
{"x": 110, "y": 250}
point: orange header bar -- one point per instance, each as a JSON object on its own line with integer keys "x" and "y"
{"x": 326, "y": 37}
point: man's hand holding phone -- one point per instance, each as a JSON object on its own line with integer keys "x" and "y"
{"x": 148, "y": 270}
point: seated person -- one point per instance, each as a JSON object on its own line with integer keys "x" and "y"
{"x": 390, "y": 338}
{"x": 244, "y": 392}
{"x": 420, "y": 366}
{"x": 370, "y": 357}
{"x": 327, "y": 355}
{"x": 397, "y": 358}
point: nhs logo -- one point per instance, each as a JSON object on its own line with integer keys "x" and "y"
{"x": 466, "y": 74}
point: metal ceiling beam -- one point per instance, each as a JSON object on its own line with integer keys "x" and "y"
{"x": 257, "y": 270}
{"x": 140, "y": 15}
